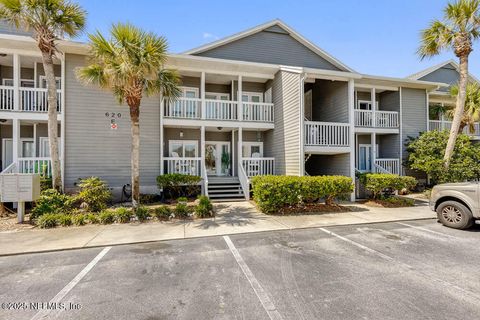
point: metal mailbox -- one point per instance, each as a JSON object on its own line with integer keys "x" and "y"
{"x": 19, "y": 187}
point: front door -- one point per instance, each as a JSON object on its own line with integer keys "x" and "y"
{"x": 218, "y": 158}
{"x": 365, "y": 157}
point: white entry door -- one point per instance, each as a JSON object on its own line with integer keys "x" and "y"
{"x": 365, "y": 157}
{"x": 7, "y": 153}
{"x": 218, "y": 158}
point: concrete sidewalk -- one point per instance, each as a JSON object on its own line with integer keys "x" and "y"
{"x": 232, "y": 218}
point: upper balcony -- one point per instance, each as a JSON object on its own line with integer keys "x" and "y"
{"x": 377, "y": 110}
{"x": 221, "y": 101}
{"x": 440, "y": 125}
{"x": 23, "y": 86}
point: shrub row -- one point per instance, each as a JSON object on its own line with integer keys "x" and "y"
{"x": 176, "y": 184}
{"x": 124, "y": 215}
{"x": 272, "y": 193}
{"x": 383, "y": 183}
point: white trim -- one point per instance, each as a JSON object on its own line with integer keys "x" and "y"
{"x": 22, "y": 140}
{"x": 251, "y": 94}
{"x": 4, "y": 152}
{"x": 367, "y": 102}
{"x": 63, "y": 117}
{"x": 427, "y": 71}
{"x": 184, "y": 89}
{"x": 301, "y": 144}
{"x": 351, "y": 120}
{"x": 320, "y": 52}
{"x": 218, "y": 95}
{"x": 401, "y": 131}
{"x": 218, "y": 168}
{"x": 183, "y": 142}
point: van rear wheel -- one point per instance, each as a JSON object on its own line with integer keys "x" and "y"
{"x": 454, "y": 214}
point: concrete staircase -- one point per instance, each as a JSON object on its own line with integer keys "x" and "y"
{"x": 225, "y": 189}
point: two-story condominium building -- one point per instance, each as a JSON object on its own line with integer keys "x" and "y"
{"x": 263, "y": 101}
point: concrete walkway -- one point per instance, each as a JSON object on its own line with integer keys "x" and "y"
{"x": 232, "y": 218}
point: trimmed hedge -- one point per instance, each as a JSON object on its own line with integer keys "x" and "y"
{"x": 272, "y": 193}
{"x": 176, "y": 184}
{"x": 379, "y": 183}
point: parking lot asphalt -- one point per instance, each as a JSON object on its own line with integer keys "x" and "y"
{"x": 398, "y": 270}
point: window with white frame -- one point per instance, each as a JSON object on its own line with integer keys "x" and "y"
{"x": 252, "y": 96}
{"x": 217, "y": 96}
{"x": 43, "y": 82}
{"x": 366, "y": 105}
{"x": 183, "y": 148}
{"x": 188, "y": 107}
{"x": 252, "y": 149}
{"x": 44, "y": 147}
{"x": 25, "y": 83}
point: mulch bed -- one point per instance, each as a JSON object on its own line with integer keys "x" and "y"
{"x": 385, "y": 204}
{"x": 9, "y": 223}
{"x": 312, "y": 209}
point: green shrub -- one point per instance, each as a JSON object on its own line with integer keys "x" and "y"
{"x": 106, "y": 217}
{"x": 52, "y": 201}
{"x": 45, "y": 183}
{"x": 379, "y": 183}
{"x": 122, "y": 215}
{"x": 173, "y": 184}
{"x": 182, "y": 210}
{"x": 162, "y": 213}
{"x": 182, "y": 199}
{"x": 142, "y": 213}
{"x": 93, "y": 218}
{"x": 47, "y": 220}
{"x": 79, "y": 219}
{"x": 204, "y": 207}
{"x": 149, "y": 198}
{"x": 64, "y": 220}
{"x": 95, "y": 193}
{"x": 273, "y": 193}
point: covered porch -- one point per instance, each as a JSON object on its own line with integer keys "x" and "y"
{"x": 378, "y": 153}
{"x": 25, "y": 147}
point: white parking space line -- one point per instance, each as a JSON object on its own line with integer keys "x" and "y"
{"x": 259, "y": 291}
{"x": 426, "y": 230}
{"x": 42, "y": 314}
{"x": 472, "y": 295}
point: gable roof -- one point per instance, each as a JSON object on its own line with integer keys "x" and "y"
{"x": 269, "y": 25}
{"x": 423, "y": 73}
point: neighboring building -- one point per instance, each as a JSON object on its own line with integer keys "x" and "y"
{"x": 263, "y": 101}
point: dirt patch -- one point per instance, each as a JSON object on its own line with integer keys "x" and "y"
{"x": 9, "y": 223}
{"x": 393, "y": 202}
{"x": 313, "y": 209}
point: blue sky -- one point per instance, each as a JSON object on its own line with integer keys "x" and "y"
{"x": 377, "y": 37}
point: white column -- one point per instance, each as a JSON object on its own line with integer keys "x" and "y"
{"x": 202, "y": 155}
{"x": 35, "y": 140}
{"x": 373, "y": 141}
{"x": 427, "y": 101}
{"x": 239, "y": 99}
{"x": 161, "y": 135}
{"x": 374, "y": 106}
{"x": 240, "y": 147}
{"x": 234, "y": 155}
{"x": 15, "y": 140}
{"x": 202, "y": 94}
{"x": 63, "y": 110}
{"x": 351, "y": 120}
{"x": 20, "y": 212}
{"x": 16, "y": 81}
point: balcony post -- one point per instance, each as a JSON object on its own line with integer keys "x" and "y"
{"x": 240, "y": 147}
{"x": 202, "y": 94}
{"x": 239, "y": 98}
{"x": 373, "y": 140}
{"x": 351, "y": 138}
{"x": 15, "y": 141}
{"x": 374, "y": 107}
{"x": 16, "y": 81}
{"x": 202, "y": 155}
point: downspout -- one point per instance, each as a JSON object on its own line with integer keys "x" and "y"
{"x": 303, "y": 76}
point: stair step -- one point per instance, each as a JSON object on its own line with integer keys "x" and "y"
{"x": 213, "y": 196}
{"x": 225, "y": 190}
{"x": 224, "y": 186}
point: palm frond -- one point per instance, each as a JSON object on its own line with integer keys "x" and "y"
{"x": 435, "y": 39}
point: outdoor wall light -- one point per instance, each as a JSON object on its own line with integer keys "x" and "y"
{"x": 219, "y": 128}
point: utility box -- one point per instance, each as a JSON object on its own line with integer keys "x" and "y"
{"x": 19, "y": 187}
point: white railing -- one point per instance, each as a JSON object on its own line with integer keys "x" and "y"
{"x": 221, "y": 110}
{"x": 258, "y": 111}
{"x": 441, "y": 125}
{"x": 244, "y": 182}
{"x": 191, "y": 108}
{"x": 258, "y": 166}
{"x": 42, "y": 166}
{"x": 377, "y": 119}
{"x": 11, "y": 168}
{"x": 6, "y": 98}
{"x": 327, "y": 134}
{"x": 36, "y": 100}
{"x": 205, "y": 180}
{"x": 188, "y": 108}
{"x": 190, "y": 166}
{"x": 387, "y": 166}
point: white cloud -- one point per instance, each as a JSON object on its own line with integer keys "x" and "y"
{"x": 207, "y": 35}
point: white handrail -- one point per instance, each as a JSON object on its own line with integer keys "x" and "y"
{"x": 188, "y": 108}
{"x": 327, "y": 134}
{"x": 387, "y": 165}
{"x": 377, "y": 118}
{"x": 41, "y": 165}
{"x": 6, "y": 98}
{"x": 258, "y": 166}
{"x": 446, "y": 125}
{"x": 258, "y": 111}
{"x": 205, "y": 180}
{"x": 36, "y": 99}
{"x": 244, "y": 182}
{"x": 11, "y": 168}
{"x": 220, "y": 109}
{"x": 190, "y": 166}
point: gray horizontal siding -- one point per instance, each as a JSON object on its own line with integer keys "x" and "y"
{"x": 338, "y": 164}
{"x": 283, "y": 142}
{"x": 92, "y": 148}
{"x": 414, "y": 113}
{"x": 446, "y": 74}
{"x": 273, "y": 45}
{"x": 330, "y": 101}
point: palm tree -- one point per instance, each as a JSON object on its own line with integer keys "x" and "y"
{"x": 48, "y": 20}
{"x": 131, "y": 64}
{"x": 459, "y": 28}
{"x": 471, "y": 113}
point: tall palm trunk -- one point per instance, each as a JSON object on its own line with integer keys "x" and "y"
{"x": 459, "y": 109}
{"x": 52, "y": 119}
{"x": 135, "y": 156}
